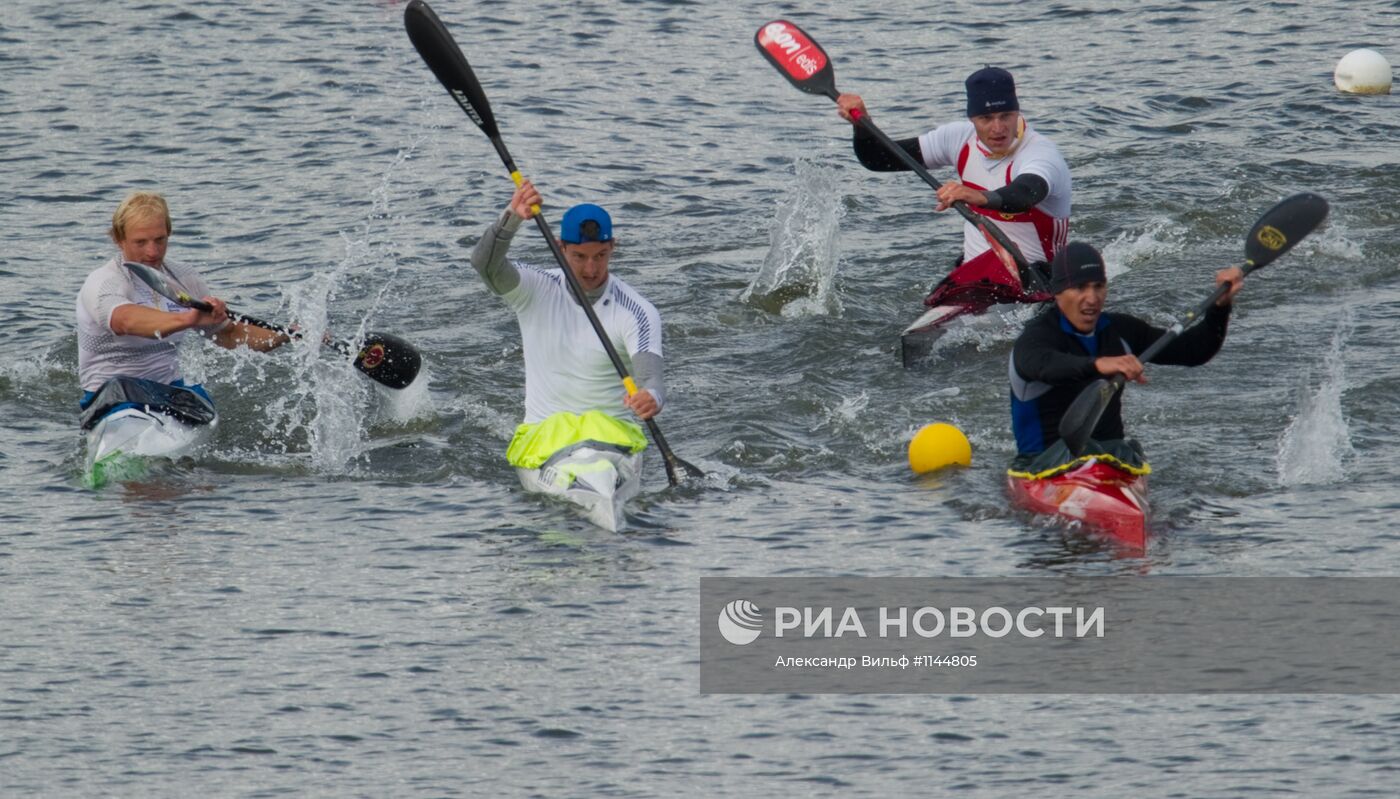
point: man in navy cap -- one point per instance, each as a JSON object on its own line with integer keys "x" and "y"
{"x": 570, "y": 383}
{"x": 1064, "y": 349}
{"x": 1006, "y": 171}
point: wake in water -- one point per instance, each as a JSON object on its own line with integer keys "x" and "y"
{"x": 800, "y": 268}
{"x": 1317, "y": 444}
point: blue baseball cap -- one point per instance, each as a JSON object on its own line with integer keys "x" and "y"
{"x": 991, "y": 90}
{"x": 585, "y": 222}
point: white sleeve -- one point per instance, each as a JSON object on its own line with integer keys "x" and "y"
{"x": 102, "y": 293}
{"x": 532, "y": 282}
{"x": 940, "y": 146}
{"x": 1044, "y": 160}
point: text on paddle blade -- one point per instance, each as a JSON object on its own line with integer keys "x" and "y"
{"x": 790, "y": 48}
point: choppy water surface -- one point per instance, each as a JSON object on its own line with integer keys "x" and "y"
{"x": 348, "y": 595}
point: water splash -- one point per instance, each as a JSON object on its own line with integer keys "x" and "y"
{"x": 32, "y": 377}
{"x": 483, "y": 416}
{"x": 799, "y": 270}
{"x": 1129, "y": 249}
{"x": 326, "y": 406}
{"x": 402, "y": 406}
{"x": 947, "y": 392}
{"x": 989, "y": 331}
{"x": 847, "y": 412}
{"x": 1317, "y": 444}
{"x": 1333, "y": 242}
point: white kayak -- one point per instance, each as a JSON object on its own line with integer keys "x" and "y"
{"x": 600, "y": 478}
{"x": 130, "y": 420}
{"x": 121, "y": 442}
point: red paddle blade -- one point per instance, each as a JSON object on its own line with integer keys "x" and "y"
{"x": 793, "y": 53}
{"x": 1002, "y": 255}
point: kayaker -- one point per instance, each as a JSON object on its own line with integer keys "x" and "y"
{"x": 572, "y": 392}
{"x": 129, "y": 336}
{"x": 1064, "y": 349}
{"x": 1007, "y": 171}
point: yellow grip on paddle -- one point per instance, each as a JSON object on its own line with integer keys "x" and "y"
{"x": 518, "y": 179}
{"x": 630, "y": 384}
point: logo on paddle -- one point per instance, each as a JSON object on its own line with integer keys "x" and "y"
{"x": 789, "y": 48}
{"x": 372, "y": 356}
{"x": 1272, "y": 237}
{"x": 740, "y": 622}
{"x": 466, "y": 104}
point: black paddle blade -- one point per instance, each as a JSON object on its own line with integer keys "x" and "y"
{"x": 388, "y": 360}
{"x": 674, "y": 466}
{"x": 800, "y": 59}
{"x": 690, "y": 469}
{"x": 442, "y": 55}
{"x": 1283, "y": 226}
{"x": 161, "y": 286}
{"x": 1083, "y": 415}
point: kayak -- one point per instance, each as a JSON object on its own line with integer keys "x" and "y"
{"x": 600, "y": 478}
{"x": 1106, "y": 499}
{"x": 120, "y": 443}
{"x": 130, "y": 420}
{"x": 971, "y": 288}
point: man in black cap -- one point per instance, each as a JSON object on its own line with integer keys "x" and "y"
{"x": 1076, "y": 342}
{"x": 1006, "y": 172}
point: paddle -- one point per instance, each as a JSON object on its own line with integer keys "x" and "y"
{"x": 803, "y": 62}
{"x": 1281, "y": 227}
{"x": 442, "y": 55}
{"x": 386, "y": 359}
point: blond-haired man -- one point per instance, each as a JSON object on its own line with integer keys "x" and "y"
{"x": 125, "y": 330}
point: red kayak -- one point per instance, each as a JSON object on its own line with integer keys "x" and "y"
{"x": 970, "y": 288}
{"x": 1108, "y": 500}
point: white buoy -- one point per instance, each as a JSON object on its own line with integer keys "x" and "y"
{"x": 1363, "y": 72}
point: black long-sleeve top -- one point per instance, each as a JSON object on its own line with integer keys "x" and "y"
{"x": 1050, "y": 366}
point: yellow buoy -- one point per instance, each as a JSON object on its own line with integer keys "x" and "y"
{"x": 938, "y": 445}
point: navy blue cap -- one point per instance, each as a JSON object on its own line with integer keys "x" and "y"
{"x": 1077, "y": 264}
{"x": 575, "y": 229}
{"x": 991, "y": 90}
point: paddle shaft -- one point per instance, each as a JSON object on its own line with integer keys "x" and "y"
{"x": 1190, "y": 317}
{"x": 341, "y": 347}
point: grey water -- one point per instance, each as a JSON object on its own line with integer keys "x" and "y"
{"x": 347, "y": 594}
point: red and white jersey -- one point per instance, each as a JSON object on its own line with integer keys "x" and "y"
{"x": 1039, "y": 232}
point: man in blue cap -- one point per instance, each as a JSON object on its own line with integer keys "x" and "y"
{"x": 1061, "y": 351}
{"x": 1007, "y": 172}
{"x": 571, "y": 387}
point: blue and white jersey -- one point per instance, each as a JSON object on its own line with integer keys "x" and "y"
{"x": 566, "y": 367}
